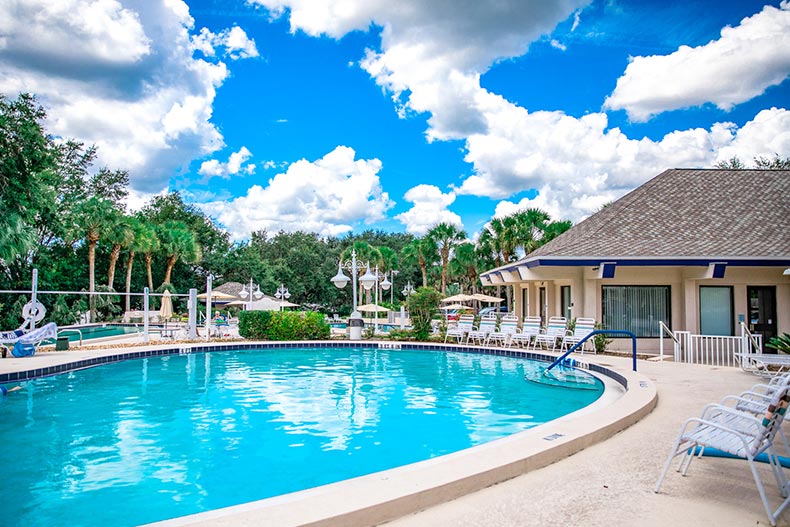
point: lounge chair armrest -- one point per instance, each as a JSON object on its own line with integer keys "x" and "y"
{"x": 713, "y": 410}
{"x": 744, "y": 437}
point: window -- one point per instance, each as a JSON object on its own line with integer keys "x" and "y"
{"x": 567, "y": 305}
{"x": 715, "y": 310}
{"x": 637, "y": 309}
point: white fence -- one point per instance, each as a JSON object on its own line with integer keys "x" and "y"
{"x": 712, "y": 350}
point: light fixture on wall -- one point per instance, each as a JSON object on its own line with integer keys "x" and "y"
{"x": 787, "y": 271}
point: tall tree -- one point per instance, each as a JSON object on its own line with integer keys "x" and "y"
{"x": 178, "y": 241}
{"x": 465, "y": 265}
{"x": 446, "y": 237}
{"x": 420, "y": 252}
{"x": 144, "y": 240}
{"x": 119, "y": 234}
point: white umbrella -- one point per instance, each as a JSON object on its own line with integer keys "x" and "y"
{"x": 166, "y": 309}
{"x": 459, "y": 298}
{"x": 486, "y": 298}
{"x": 218, "y": 295}
{"x": 286, "y": 303}
{"x": 372, "y": 308}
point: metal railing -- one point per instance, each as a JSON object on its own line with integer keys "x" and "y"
{"x": 711, "y": 350}
{"x": 579, "y": 344}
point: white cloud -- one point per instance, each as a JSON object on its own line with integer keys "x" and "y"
{"x": 326, "y": 196}
{"x": 235, "y": 41}
{"x": 429, "y": 208}
{"x": 558, "y": 45}
{"x": 431, "y": 59}
{"x": 737, "y": 67}
{"x": 119, "y": 74}
{"x": 235, "y": 164}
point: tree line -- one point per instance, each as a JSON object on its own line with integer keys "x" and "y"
{"x": 65, "y": 217}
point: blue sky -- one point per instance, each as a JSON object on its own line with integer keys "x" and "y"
{"x": 337, "y": 116}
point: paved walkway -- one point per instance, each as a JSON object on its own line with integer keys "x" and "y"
{"x": 611, "y": 483}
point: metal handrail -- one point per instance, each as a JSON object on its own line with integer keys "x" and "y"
{"x": 597, "y": 332}
{"x": 71, "y": 329}
{"x": 663, "y": 328}
{"x": 746, "y": 333}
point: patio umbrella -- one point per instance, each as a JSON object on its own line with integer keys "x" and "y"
{"x": 372, "y": 308}
{"x": 486, "y": 298}
{"x": 285, "y": 303}
{"x": 166, "y": 307}
{"x": 459, "y": 298}
{"x": 218, "y": 297}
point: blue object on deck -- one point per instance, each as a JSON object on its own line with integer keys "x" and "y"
{"x": 762, "y": 458}
{"x": 23, "y": 349}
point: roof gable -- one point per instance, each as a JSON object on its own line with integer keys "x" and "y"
{"x": 688, "y": 213}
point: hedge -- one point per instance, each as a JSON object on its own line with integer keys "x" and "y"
{"x": 283, "y": 325}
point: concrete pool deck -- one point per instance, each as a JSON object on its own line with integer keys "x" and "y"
{"x": 606, "y": 483}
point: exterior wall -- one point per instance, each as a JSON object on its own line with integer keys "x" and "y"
{"x": 684, "y": 285}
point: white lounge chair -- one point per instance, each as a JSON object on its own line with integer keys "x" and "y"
{"x": 738, "y": 434}
{"x": 464, "y": 326}
{"x": 583, "y": 327}
{"x": 764, "y": 364}
{"x": 486, "y": 326}
{"x": 555, "y": 330}
{"x": 27, "y": 343}
{"x": 530, "y": 328}
{"x": 507, "y": 328}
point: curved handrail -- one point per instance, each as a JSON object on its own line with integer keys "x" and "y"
{"x": 73, "y": 330}
{"x": 591, "y": 334}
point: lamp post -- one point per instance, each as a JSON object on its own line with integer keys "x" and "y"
{"x": 408, "y": 289}
{"x": 257, "y": 293}
{"x": 282, "y": 294}
{"x": 340, "y": 280}
{"x": 386, "y": 284}
{"x": 367, "y": 283}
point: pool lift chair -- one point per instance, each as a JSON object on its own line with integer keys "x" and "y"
{"x": 23, "y": 344}
{"x": 463, "y": 327}
{"x": 739, "y": 434}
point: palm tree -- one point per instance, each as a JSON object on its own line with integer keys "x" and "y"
{"x": 120, "y": 235}
{"x": 420, "y": 251}
{"x": 143, "y": 236}
{"x": 90, "y": 217}
{"x": 149, "y": 243}
{"x": 465, "y": 265}
{"x": 446, "y": 237}
{"x": 178, "y": 241}
{"x": 529, "y": 229}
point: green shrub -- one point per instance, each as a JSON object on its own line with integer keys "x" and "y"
{"x": 423, "y": 305}
{"x": 780, "y": 344}
{"x": 284, "y": 325}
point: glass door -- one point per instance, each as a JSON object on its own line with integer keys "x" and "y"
{"x": 762, "y": 312}
{"x": 715, "y": 310}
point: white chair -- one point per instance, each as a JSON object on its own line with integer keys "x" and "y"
{"x": 583, "y": 327}
{"x": 507, "y": 328}
{"x": 738, "y": 434}
{"x": 464, "y": 326}
{"x": 530, "y": 328}
{"x": 486, "y": 326}
{"x": 26, "y": 344}
{"x": 555, "y": 330}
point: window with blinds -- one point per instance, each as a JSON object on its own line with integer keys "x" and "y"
{"x": 636, "y": 308}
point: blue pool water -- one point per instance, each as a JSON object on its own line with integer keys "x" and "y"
{"x": 96, "y": 331}
{"x": 145, "y": 440}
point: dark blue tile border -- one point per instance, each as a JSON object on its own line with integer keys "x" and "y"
{"x": 202, "y": 348}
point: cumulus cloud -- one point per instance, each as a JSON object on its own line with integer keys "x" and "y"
{"x": 326, "y": 196}
{"x": 737, "y": 67}
{"x": 433, "y": 54}
{"x": 235, "y": 41}
{"x": 429, "y": 208}
{"x": 234, "y": 165}
{"x": 119, "y": 74}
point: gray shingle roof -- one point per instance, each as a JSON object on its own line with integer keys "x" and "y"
{"x": 688, "y": 213}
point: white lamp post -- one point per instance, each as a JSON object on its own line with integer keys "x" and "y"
{"x": 408, "y": 289}
{"x": 257, "y": 293}
{"x": 367, "y": 283}
{"x": 282, "y": 295}
{"x": 340, "y": 280}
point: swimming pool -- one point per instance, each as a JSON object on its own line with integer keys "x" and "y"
{"x": 180, "y": 434}
{"x": 96, "y": 331}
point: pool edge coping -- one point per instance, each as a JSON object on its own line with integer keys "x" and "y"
{"x": 384, "y": 496}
